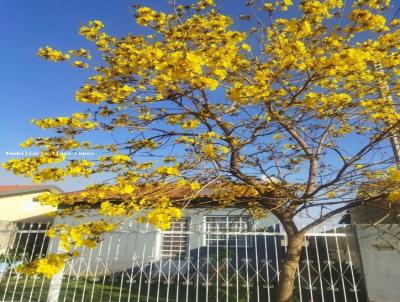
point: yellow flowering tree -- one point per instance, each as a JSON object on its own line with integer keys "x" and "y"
{"x": 287, "y": 116}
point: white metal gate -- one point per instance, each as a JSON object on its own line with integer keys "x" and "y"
{"x": 131, "y": 264}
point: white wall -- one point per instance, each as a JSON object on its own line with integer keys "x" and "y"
{"x": 7, "y": 235}
{"x": 381, "y": 263}
{"x": 132, "y": 243}
{"x": 22, "y": 207}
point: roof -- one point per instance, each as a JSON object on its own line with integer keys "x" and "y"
{"x": 16, "y": 187}
{"x": 7, "y": 190}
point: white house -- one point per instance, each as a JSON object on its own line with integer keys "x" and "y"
{"x": 20, "y": 210}
{"x": 210, "y": 250}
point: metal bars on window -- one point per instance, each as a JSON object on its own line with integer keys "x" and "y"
{"x": 175, "y": 240}
{"x": 227, "y": 229}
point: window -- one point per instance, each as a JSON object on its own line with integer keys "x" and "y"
{"x": 175, "y": 240}
{"x": 232, "y": 225}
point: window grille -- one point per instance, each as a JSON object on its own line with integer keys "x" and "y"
{"x": 175, "y": 240}
{"x": 232, "y": 225}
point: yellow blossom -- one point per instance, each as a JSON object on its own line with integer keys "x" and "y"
{"x": 48, "y": 266}
{"x": 91, "y": 30}
{"x": 80, "y": 64}
{"x": 246, "y": 47}
{"x": 162, "y": 217}
{"x": 190, "y": 124}
{"x": 209, "y": 150}
{"x": 367, "y": 20}
{"x": 51, "y": 54}
{"x": 195, "y": 186}
{"x": 394, "y": 196}
{"x": 168, "y": 171}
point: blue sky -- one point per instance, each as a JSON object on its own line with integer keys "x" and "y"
{"x": 33, "y": 88}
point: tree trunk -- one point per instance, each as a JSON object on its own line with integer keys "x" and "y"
{"x": 289, "y": 268}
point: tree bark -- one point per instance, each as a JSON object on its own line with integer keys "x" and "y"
{"x": 289, "y": 268}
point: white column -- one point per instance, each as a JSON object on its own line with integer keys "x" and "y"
{"x": 55, "y": 287}
{"x": 56, "y": 281}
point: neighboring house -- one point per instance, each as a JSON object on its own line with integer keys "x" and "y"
{"x": 18, "y": 203}
{"x": 19, "y": 210}
{"x": 378, "y": 237}
{"x": 20, "y": 217}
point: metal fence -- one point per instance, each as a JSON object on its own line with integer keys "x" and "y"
{"x": 212, "y": 265}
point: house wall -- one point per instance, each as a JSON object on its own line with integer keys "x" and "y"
{"x": 366, "y": 214}
{"x": 7, "y": 235}
{"x": 20, "y": 208}
{"x": 380, "y": 260}
{"x": 134, "y": 243}
{"x": 23, "y": 207}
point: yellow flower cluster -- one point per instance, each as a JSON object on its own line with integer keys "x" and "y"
{"x": 89, "y": 94}
{"x": 102, "y": 92}
{"x": 195, "y": 186}
{"x": 202, "y": 4}
{"x": 80, "y": 64}
{"x": 162, "y": 217}
{"x": 368, "y": 21}
{"x": 217, "y": 51}
{"x": 285, "y": 4}
{"x": 380, "y": 110}
{"x": 374, "y": 4}
{"x": 120, "y": 158}
{"x": 317, "y": 11}
{"x": 79, "y": 168}
{"x": 190, "y": 124}
{"x": 81, "y": 52}
{"x": 29, "y": 166}
{"x": 145, "y": 16}
{"x": 110, "y": 209}
{"x": 52, "y": 143}
{"x": 395, "y": 22}
{"x": 393, "y": 174}
{"x": 165, "y": 171}
{"x": 48, "y": 266}
{"x": 91, "y": 30}
{"x": 76, "y": 121}
{"x": 214, "y": 152}
{"x": 52, "y": 199}
{"x": 86, "y": 234}
{"x": 47, "y": 174}
{"x": 326, "y": 104}
{"x": 394, "y": 196}
{"x": 231, "y": 192}
{"x": 175, "y": 119}
{"x": 51, "y": 54}
{"x": 116, "y": 159}
{"x": 268, "y": 7}
{"x": 247, "y": 94}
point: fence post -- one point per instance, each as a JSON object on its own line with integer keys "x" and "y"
{"x": 56, "y": 280}
{"x": 55, "y": 287}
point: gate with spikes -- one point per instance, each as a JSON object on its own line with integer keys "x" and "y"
{"x": 139, "y": 263}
